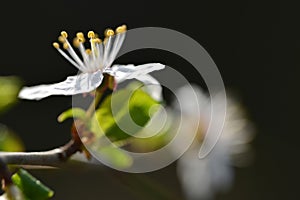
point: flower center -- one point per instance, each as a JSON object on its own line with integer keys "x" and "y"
{"x": 99, "y": 56}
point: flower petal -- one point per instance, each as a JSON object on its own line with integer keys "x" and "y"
{"x": 123, "y": 72}
{"x": 203, "y": 178}
{"x": 82, "y": 83}
{"x": 140, "y": 72}
{"x": 153, "y": 87}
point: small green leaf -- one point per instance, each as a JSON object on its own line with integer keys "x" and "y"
{"x": 123, "y": 108}
{"x": 116, "y": 157}
{"x": 72, "y": 113}
{"x": 9, "y": 89}
{"x": 32, "y": 188}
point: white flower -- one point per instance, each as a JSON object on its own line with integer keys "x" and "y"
{"x": 92, "y": 64}
{"x": 203, "y": 178}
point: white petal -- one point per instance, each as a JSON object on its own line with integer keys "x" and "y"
{"x": 82, "y": 83}
{"x": 203, "y": 178}
{"x": 152, "y": 86}
{"x": 123, "y": 72}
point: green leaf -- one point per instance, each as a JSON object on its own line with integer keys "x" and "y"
{"x": 9, "y": 141}
{"x": 117, "y": 110}
{"x": 32, "y": 188}
{"x": 72, "y": 113}
{"x": 116, "y": 157}
{"x": 9, "y": 89}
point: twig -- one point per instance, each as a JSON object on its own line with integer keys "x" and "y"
{"x": 53, "y": 157}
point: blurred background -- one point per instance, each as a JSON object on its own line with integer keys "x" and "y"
{"x": 255, "y": 45}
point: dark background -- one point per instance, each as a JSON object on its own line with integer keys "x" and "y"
{"x": 255, "y": 44}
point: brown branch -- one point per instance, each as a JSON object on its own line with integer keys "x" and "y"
{"x": 54, "y": 158}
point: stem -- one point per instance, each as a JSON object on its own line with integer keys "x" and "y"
{"x": 108, "y": 83}
{"x": 93, "y": 105}
{"x": 53, "y": 157}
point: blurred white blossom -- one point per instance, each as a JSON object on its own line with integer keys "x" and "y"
{"x": 203, "y": 178}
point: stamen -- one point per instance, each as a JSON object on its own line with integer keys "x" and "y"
{"x": 110, "y": 56}
{"x": 64, "y": 34}
{"x": 97, "y": 40}
{"x": 55, "y": 45}
{"x": 83, "y": 53}
{"x": 100, "y": 47}
{"x": 116, "y": 48}
{"x": 88, "y": 51}
{"x": 65, "y": 45}
{"x": 107, "y": 48}
{"x": 118, "y": 41}
{"x": 108, "y": 32}
{"x": 105, "y": 40}
{"x": 94, "y": 53}
{"x": 76, "y": 42}
{"x": 101, "y": 54}
{"x": 81, "y": 40}
{"x": 61, "y": 39}
{"x": 91, "y": 34}
{"x": 80, "y": 35}
{"x": 121, "y": 29}
{"x": 72, "y": 52}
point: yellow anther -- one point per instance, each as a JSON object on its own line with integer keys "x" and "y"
{"x": 61, "y": 39}
{"x": 76, "y": 42}
{"x": 80, "y": 35}
{"x": 64, "y": 34}
{"x": 56, "y": 45}
{"x": 96, "y": 40}
{"x": 91, "y": 34}
{"x": 88, "y": 51}
{"x": 81, "y": 40}
{"x": 109, "y": 32}
{"x": 65, "y": 45}
{"x": 121, "y": 29}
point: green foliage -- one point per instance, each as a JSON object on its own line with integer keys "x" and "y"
{"x": 32, "y": 188}
{"x": 9, "y": 141}
{"x": 151, "y": 143}
{"x": 156, "y": 134}
{"x": 72, "y": 113}
{"x": 118, "y": 109}
{"x": 9, "y": 89}
{"x": 116, "y": 157}
{"x": 125, "y": 111}
{"x": 111, "y": 119}
{"x": 29, "y": 186}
